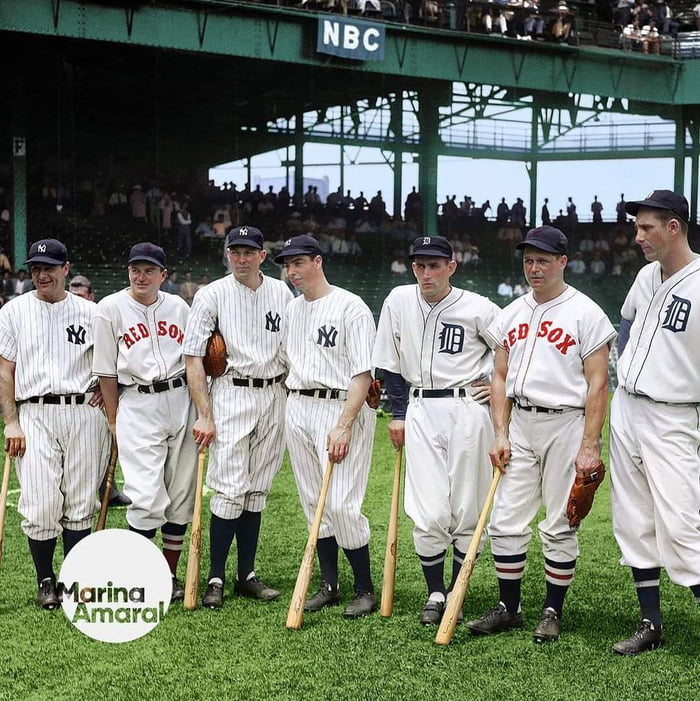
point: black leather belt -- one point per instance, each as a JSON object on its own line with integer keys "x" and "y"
{"x": 256, "y": 381}
{"x": 322, "y": 393}
{"x": 58, "y": 399}
{"x": 164, "y": 386}
{"x": 539, "y": 409}
{"x": 437, "y": 393}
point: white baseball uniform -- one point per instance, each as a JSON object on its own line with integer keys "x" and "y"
{"x": 67, "y": 440}
{"x": 328, "y": 342}
{"x": 655, "y": 426}
{"x": 547, "y": 345}
{"x": 441, "y": 347}
{"x": 248, "y": 401}
{"x": 142, "y": 347}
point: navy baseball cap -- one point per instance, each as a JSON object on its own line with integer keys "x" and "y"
{"x": 302, "y": 245}
{"x": 546, "y": 238}
{"x": 437, "y": 246}
{"x": 148, "y": 252}
{"x": 661, "y": 199}
{"x": 50, "y": 251}
{"x": 245, "y": 236}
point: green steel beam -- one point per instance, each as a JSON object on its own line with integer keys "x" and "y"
{"x": 285, "y": 36}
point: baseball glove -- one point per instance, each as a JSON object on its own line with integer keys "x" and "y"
{"x": 582, "y": 493}
{"x": 374, "y": 394}
{"x": 215, "y": 356}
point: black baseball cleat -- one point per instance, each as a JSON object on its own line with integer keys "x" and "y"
{"x": 549, "y": 628}
{"x": 325, "y": 596}
{"x": 178, "y": 592}
{"x": 46, "y": 597}
{"x": 497, "y": 620}
{"x": 214, "y": 596}
{"x": 120, "y": 499}
{"x": 646, "y": 637}
{"x": 255, "y": 589}
{"x": 431, "y": 615}
{"x": 361, "y": 604}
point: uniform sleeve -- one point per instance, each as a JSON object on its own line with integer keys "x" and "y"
{"x": 486, "y": 320}
{"x": 360, "y": 332}
{"x": 385, "y": 354}
{"x": 596, "y": 330}
{"x": 201, "y": 322}
{"x": 106, "y": 341}
{"x": 8, "y": 336}
{"x": 493, "y": 335}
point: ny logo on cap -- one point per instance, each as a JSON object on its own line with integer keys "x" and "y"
{"x": 650, "y": 195}
{"x": 288, "y": 243}
{"x": 41, "y": 248}
{"x": 243, "y": 231}
{"x": 426, "y": 240}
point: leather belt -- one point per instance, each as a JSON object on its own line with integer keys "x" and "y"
{"x": 164, "y": 386}
{"x": 322, "y": 393}
{"x": 539, "y": 409}
{"x": 256, "y": 381}
{"x": 58, "y": 399}
{"x": 437, "y": 393}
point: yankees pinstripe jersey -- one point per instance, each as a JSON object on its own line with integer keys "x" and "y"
{"x": 252, "y": 323}
{"x": 139, "y": 344}
{"x": 329, "y": 340}
{"x": 661, "y": 356}
{"x": 546, "y": 344}
{"x": 439, "y": 345}
{"x": 51, "y": 344}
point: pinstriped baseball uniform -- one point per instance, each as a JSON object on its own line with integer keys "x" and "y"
{"x": 247, "y": 452}
{"x": 67, "y": 445}
{"x": 142, "y": 345}
{"x": 329, "y": 341}
{"x": 441, "y": 346}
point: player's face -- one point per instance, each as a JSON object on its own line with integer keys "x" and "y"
{"x": 245, "y": 262}
{"x": 145, "y": 279}
{"x": 544, "y": 272}
{"x": 433, "y": 276}
{"x": 49, "y": 280}
{"x": 653, "y": 234}
{"x": 303, "y": 271}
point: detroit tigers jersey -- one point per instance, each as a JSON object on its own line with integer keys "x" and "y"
{"x": 546, "y": 344}
{"x": 139, "y": 344}
{"x": 438, "y": 346}
{"x": 665, "y": 318}
{"x": 51, "y": 344}
{"x": 251, "y": 322}
{"x": 329, "y": 340}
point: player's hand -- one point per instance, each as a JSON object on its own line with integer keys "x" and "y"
{"x": 97, "y": 400}
{"x": 397, "y": 432}
{"x": 204, "y": 432}
{"x": 482, "y": 391}
{"x": 587, "y": 460}
{"x": 15, "y": 442}
{"x": 500, "y": 453}
{"x": 338, "y": 443}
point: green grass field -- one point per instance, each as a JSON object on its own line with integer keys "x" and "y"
{"x": 243, "y": 651}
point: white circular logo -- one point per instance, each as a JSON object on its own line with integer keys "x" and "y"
{"x": 116, "y": 586}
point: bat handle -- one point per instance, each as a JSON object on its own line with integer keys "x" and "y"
{"x": 3, "y": 500}
{"x": 109, "y": 481}
{"x": 392, "y": 541}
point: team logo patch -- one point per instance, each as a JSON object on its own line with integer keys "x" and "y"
{"x": 327, "y": 336}
{"x": 243, "y": 231}
{"x": 426, "y": 240}
{"x": 451, "y": 339}
{"x": 677, "y": 315}
{"x": 41, "y": 248}
{"x": 76, "y": 336}
{"x": 272, "y": 323}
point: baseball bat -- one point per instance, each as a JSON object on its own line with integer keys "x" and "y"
{"x": 109, "y": 481}
{"x": 3, "y": 500}
{"x": 459, "y": 591}
{"x": 295, "y": 615}
{"x": 194, "y": 559}
{"x": 392, "y": 542}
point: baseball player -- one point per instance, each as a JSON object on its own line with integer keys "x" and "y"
{"x": 81, "y": 286}
{"x": 243, "y": 420}
{"x": 548, "y": 398}
{"x": 432, "y": 336}
{"x": 654, "y": 429}
{"x": 54, "y": 425}
{"x": 139, "y": 334}
{"x": 329, "y": 340}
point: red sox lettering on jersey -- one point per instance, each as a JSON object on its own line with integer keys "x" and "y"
{"x": 547, "y": 329}
{"x": 165, "y": 328}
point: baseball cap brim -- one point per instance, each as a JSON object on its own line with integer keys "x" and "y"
{"x": 44, "y": 259}
{"x": 539, "y": 244}
{"x": 291, "y": 251}
{"x": 244, "y": 242}
{"x": 146, "y": 259}
{"x": 634, "y": 207}
{"x": 430, "y": 253}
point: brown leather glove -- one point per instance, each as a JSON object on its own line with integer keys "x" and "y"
{"x": 582, "y": 493}
{"x": 374, "y": 394}
{"x": 215, "y": 357}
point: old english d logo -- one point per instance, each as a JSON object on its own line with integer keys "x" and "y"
{"x": 677, "y": 315}
{"x": 451, "y": 339}
{"x": 327, "y": 336}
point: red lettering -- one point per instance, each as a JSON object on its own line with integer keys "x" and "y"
{"x": 512, "y": 338}
{"x": 134, "y": 334}
{"x": 180, "y": 337}
{"x": 523, "y": 330}
{"x": 173, "y": 331}
{"x": 162, "y": 328}
{"x": 128, "y": 341}
{"x": 544, "y": 329}
{"x": 506, "y": 345}
{"x": 555, "y": 335}
{"x": 566, "y": 344}
{"x": 143, "y": 330}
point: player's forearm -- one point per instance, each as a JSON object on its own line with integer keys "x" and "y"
{"x": 596, "y": 407}
{"x": 110, "y": 395}
{"x": 8, "y": 405}
{"x": 397, "y": 392}
{"x": 197, "y": 384}
{"x": 357, "y": 392}
{"x": 501, "y": 406}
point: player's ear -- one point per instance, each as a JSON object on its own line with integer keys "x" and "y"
{"x": 263, "y": 255}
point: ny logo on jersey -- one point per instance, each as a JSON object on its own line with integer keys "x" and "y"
{"x": 327, "y": 337}
{"x": 76, "y": 336}
{"x": 272, "y": 323}
{"x": 451, "y": 338}
{"x": 677, "y": 314}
